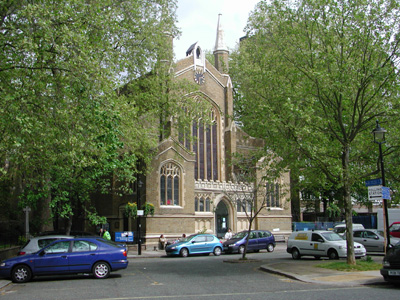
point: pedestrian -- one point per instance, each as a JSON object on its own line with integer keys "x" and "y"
{"x": 101, "y": 232}
{"x": 162, "y": 242}
{"x": 228, "y": 234}
{"x": 106, "y": 235}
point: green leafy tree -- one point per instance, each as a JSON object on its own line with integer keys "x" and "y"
{"x": 313, "y": 78}
{"x": 65, "y": 127}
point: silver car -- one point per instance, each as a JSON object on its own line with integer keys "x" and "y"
{"x": 372, "y": 239}
{"x": 35, "y": 244}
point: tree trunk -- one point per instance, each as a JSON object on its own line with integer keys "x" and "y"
{"x": 348, "y": 207}
{"x": 45, "y": 211}
{"x": 247, "y": 239}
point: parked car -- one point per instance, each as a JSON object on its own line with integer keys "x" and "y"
{"x": 394, "y": 229}
{"x": 196, "y": 244}
{"x": 67, "y": 256}
{"x": 373, "y": 240}
{"x": 259, "y": 239}
{"x": 39, "y": 242}
{"x": 391, "y": 264}
{"x": 340, "y": 229}
{"x": 319, "y": 244}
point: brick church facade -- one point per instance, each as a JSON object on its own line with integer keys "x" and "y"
{"x": 187, "y": 182}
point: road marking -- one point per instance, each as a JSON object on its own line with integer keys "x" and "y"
{"x": 213, "y": 296}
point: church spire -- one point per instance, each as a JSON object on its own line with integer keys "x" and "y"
{"x": 221, "y": 53}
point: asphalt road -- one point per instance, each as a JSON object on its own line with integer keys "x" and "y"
{"x": 198, "y": 277}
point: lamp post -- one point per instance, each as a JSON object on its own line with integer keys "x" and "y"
{"x": 379, "y": 138}
{"x": 139, "y": 213}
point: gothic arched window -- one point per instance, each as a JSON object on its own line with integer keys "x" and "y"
{"x": 205, "y": 145}
{"x": 202, "y": 204}
{"x": 170, "y": 180}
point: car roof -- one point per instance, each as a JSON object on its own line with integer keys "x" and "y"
{"x": 41, "y": 237}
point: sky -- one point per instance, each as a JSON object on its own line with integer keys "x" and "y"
{"x": 198, "y": 19}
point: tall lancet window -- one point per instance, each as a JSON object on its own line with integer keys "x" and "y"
{"x": 205, "y": 145}
{"x": 170, "y": 179}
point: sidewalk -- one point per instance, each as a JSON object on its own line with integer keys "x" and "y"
{"x": 305, "y": 270}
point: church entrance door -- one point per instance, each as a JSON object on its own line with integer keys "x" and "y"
{"x": 222, "y": 219}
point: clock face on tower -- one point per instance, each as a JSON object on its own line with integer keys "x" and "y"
{"x": 199, "y": 77}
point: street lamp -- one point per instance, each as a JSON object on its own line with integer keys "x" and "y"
{"x": 379, "y": 138}
{"x": 138, "y": 224}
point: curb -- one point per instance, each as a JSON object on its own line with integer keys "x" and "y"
{"x": 375, "y": 280}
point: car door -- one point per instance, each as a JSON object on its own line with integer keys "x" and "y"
{"x": 253, "y": 241}
{"x": 83, "y": 254}
{"x": 263, "y": 238}
{"x": 198, "y": 244}
{"x": 372, "y": 242}
{"x": 53, "y": 259}
{"x": 317, "y": 245}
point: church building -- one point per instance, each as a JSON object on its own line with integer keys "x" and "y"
{"x": 188, "y": 180}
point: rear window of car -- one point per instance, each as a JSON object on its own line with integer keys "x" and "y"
{"x": 44, "y": 242}
{"x": 110, "y": 243}
{"x": 82, "y": 246}
{"x": 264, "y": 234}
{"x": 210, "y": 238}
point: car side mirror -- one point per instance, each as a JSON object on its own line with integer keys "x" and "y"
{"x": 377, "y": 237}
{"x": 41, "y": 253}
{"x": 320, "y": 240}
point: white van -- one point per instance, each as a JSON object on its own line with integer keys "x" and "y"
{"x": 340, "y": 229}
{"x": 320, "y": 244}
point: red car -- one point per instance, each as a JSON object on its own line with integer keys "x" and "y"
{"x": 394, "y": 229}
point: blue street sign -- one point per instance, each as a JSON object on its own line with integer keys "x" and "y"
{"x": 373, "y": 182}
{"x": 125, "y": 236}
{"x": 386, "y": 193}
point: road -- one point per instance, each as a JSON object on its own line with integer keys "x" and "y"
{"x": 197, "y": 277}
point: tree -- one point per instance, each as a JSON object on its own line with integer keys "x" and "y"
{"x": 314, "y": 75}
{"x": 65, "y": 128}
{"x": 253, "y": 187}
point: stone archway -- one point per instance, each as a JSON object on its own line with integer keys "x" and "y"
{"x": 222, "y": 219}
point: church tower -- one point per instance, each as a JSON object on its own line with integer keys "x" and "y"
{"x": 221, "y": 53}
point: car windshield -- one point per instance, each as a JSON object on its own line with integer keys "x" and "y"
{"x": 339, "y": 229}
{"x": 240, "y": 235}
{"x": 331, "y": 236}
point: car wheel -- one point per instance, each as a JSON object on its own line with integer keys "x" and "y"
{"x": 217, "y": 251}
{"x": 241, "y": 249}
{"x": 332, "y": 254}
{"x": 295, "y": 254}
{"x": 21, "y": 274}
{"x": 270, "y": 248}
{"x": 184, "y": 252}
{"x": 101, "y": 270}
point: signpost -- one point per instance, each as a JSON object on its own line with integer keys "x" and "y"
{"x": 375, "y": 193}
{"x": 378, "y": 193}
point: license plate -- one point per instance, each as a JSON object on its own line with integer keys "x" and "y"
{"x": 394, "y": 273}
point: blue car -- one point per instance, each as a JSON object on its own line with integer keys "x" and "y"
{"x": 72, "y": 256}
{"x": 195, "y": 244}
{"x": 258, "y": 240}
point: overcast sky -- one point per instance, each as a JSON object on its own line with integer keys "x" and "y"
{"x": 197, "y": 20}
